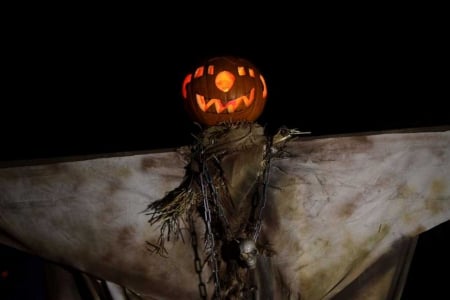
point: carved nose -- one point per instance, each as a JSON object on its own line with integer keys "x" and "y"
{"x": 224, "y": 81}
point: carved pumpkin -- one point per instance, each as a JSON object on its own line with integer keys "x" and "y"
{"x": 224, "y": 89}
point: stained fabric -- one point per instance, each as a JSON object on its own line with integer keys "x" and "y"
{"x": 339, "y": 214}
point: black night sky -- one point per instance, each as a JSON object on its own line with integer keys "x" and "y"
{"x": 78, "y": 87}
{"x": 81, "y": 88}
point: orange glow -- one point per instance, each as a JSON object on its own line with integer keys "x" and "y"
{"x": 186, "y": 80}
{"x": 251, "y": 72}
{"x": 224, "y": 81}
{"x": 210, "y": 69}
{"x": 264, "y": 93}
{"x": 198, "y": 72}
{"x": 241, "y": 71}
{"x": 230, "y": 107}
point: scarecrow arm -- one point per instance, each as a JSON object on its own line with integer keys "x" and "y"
{"x": 337, "y": 207}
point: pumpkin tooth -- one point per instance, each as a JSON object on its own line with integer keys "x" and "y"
{"x": 218, "y": 105}
{"x": 230, "y": 107}
{"x": 233, "y": 105}
{"x": 201, "y": 102}
{"x": 248, "y": 101}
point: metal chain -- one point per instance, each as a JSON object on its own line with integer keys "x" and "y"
{"x": 262, "y": 190}
{"x": 209, "y": 193}
{"x": 197, "y": 261}
{"x": 216, "y": 198}
{"x": 205, "y": 191}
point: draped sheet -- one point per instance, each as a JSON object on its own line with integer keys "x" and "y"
{"x": 342, "y": 213}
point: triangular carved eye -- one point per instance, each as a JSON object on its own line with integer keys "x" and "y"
{"x": 224, "y": 81}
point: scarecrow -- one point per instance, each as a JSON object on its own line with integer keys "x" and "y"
{"x": 262, "y": 216}
{"x": 225, "y": 180}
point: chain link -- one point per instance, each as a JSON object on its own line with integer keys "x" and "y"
{"x": 205, "y": 188}
{"x": 211, "y": 196}
{"x": 262, "y": 188}
{"x": 197, "y": 261}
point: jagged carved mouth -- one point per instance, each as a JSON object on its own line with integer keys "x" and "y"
{"x": 234, "y": 105}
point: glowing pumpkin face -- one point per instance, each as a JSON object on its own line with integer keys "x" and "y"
{"x": 224, "y": 89}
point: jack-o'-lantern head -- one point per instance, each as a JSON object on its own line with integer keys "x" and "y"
{"x": 224, "y": 89}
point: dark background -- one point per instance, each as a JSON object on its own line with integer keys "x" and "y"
{"x": 78, "y": 84}
{"x": 82, "y": 84}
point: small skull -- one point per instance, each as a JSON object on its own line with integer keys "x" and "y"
{"x": 248, "y": 253}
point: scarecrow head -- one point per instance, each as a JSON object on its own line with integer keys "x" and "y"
{"x": 224, "y": 89}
